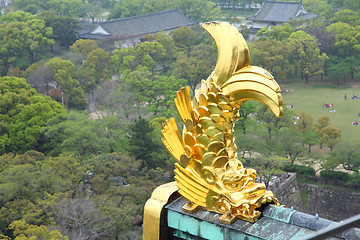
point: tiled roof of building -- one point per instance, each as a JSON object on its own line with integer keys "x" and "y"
{"x": 272, "y": 11}
{"x": 275, "y": 223}
{"x": 141, "y": 25}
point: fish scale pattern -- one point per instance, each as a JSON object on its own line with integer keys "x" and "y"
{"x": 208, "y": 172}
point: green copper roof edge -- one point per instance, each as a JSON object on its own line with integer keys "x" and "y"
{"x": 187, "y": 224}
{"x": 278, "y": 213}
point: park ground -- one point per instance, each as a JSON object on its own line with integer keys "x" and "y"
{"x": 311, "y": 98}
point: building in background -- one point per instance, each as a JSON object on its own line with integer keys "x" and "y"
{"x": 272, "y": 13}
{"x": 129, "y": 31}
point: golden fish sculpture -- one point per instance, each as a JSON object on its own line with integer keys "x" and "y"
{"x": 208, "y": 172}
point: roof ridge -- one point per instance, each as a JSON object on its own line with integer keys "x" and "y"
{"x": 282, "y": 2}
{"x": 296, "y": 13}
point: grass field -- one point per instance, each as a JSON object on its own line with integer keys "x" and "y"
{"x": 311, "y": 98}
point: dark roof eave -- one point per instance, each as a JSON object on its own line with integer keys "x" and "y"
{"x": 267, "y": 21}
{"x": 140, "y": 35}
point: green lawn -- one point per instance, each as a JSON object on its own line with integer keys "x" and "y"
{"x": 311, "y": 98}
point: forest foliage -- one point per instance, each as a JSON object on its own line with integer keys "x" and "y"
{"x": 69, "y": 174}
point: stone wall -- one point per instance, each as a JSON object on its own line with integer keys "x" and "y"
{"x": 330, "y": 202}
{"x": 286, "y": 190}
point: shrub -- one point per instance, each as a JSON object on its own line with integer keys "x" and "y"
{"x": 336, "y": 175}
{"x": 302, "y": 170}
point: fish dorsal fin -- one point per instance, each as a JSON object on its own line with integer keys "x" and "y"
{"x": 233, "y": 52}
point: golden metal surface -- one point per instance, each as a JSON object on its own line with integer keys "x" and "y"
{"x": 152, "y": 210}
{"x": 208, "y": 172}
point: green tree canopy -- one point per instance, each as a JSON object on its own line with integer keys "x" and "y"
{"x": 306, "y": 55}
{"x": 23, "y": 113}
{"x": 23, "y": 39}
{"x": 63, "y": 73}
{"x": 348, "y": 156}
{"x": 18, "y": 16}
{"x": 279, "y": 33}
{"x": 331, "y": 136}
{"x": 84, "y": 46}
{"x": 347, "y": 38}
{"x": 65, "y": 29}
{"x": 94, "y": 69}
{"x": 272, "y": 55}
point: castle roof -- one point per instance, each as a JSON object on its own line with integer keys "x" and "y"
{"x": 139, "y": 25}
{"x": 272, "y": 11}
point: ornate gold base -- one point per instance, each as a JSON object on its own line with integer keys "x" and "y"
{"x": 190, "y": 207}
{"x": 229, "y": 218}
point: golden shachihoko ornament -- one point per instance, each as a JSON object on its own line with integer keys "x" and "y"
{"x": 208, "y": 172}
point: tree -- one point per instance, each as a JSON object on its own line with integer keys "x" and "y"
{"x": 76, "y": 98}
{"x": 23, "y": 39}
{"x": 346, "y": 16}
{"x": 38, "y": 38}
{"x": 84, "y": 46}
{"x": 289, "y": 144}
{"x": 32, "y": 184}
{"x": 272, "y": 123}
{"x": 306, "y": 55}
{"x": 65, "y": 29}
{"x": 325, "y": 39}
{"x": 23, "y": 113}
{"x": 18, "y": 16}
{"x": 25, "y": 128}
{"x": 195, "y": 66}
{"x": 347, "y": 38}
{"x": 70, "y": 8}
{"x": 338, "y": 69}
{"x": 127, "y": 8}
{"x": 165, "y": 60}
{"x": 311, "y": 137}
{"x": 352, "y": 4}
{"x": 164, "y": 92}
{"x": 272, "y": 55}
{"x": 331, "y": 136}
{"x": 321, "y": 7}
{"x": 80, "y": 219}
{"x": 94, "y": 69}
{"x": 268, "y": 167}
{"x": 63, "y": 73}
{"x": 23, "y": 231}
{"x": 140, "y": 82}
{"x": 183, "y": 38}
{"x": 348, "y": 156}
{"x": 120, "y": 188}
{"x": 322, "y": 122}
{"x": 148, "y": 54}
{"x": 141, "y": 144}
{"x": 198, "y": 10}
{"x": 15, "y": 72}
{"x": 123, "y": 61}
{"x": 84, "y": 136}
{"x": 304, "y": 121}
{"x": 118, "y": 99}
{"x": 280, "y": 33}
{"x": 94, "y": 10}
{"x": 245, "y": 112}
{"x": 41, "y": 77}
{"x": 246, "y": 144}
